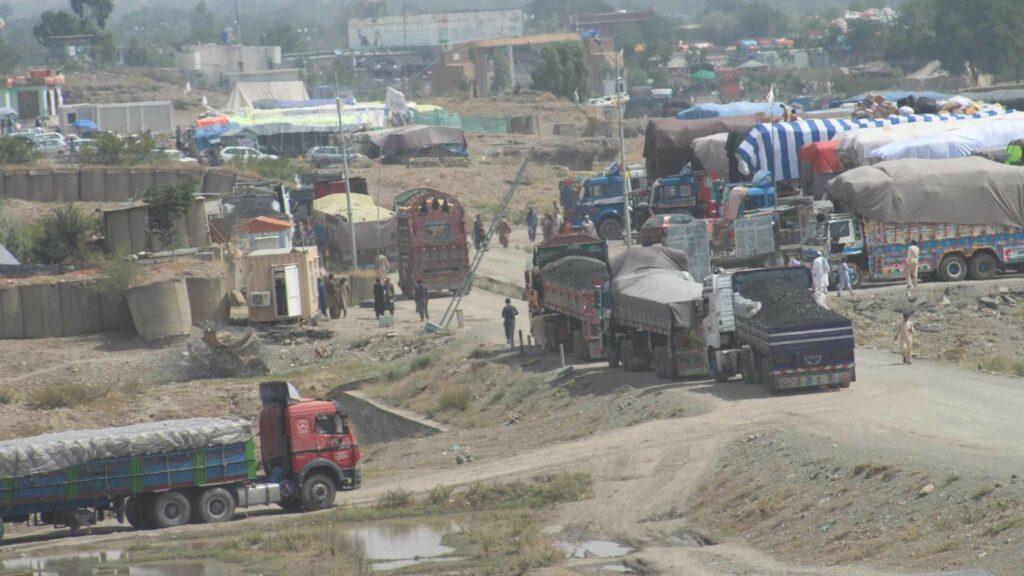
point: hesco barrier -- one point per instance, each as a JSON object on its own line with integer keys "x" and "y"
{"x": 60, "y": 309}
{"x": 127, "y": 230}
{"x": 161, "y": 309}
{"x": 104, "y": 184}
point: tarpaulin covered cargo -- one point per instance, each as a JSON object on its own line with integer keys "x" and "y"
{"x": 60, "y": 450}
{"x": 667, "y": 142}
{"x": 710, "y": 151}
{"x": 247, "y": 94}
{"x": 954, "y": 144}
{"x": 970, "y": 190}
{"x": 775, "y": 147}
{"x": 651, "y": 289}
{"x": 715, "y": 110}
{"x": 412, "y": 141}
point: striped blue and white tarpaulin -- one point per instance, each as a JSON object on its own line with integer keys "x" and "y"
{"x": 782, "y": 141}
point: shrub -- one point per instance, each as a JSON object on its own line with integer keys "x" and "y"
{"x": 439, "y": 495}
{"x": 167, "y": 204}
{"x": 421, "y": 362}
{"x": 117, "y": 273}
{"x": 6, "y": 396}
{"x": 16, "y": 150}
{"x": 67, "y": 395}
{"x": 455, "y": 398}
{"x": 63, "y": 235}
{"x": 395, "y": 498}
{"x": 113, "y": 150}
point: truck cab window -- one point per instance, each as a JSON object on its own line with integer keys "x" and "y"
{"x": 326, "y": 424}
{"x": 838, "y": 231}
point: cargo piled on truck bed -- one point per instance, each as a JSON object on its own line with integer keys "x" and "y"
{"x": 656, "y": 308}
{"x": 567, "y": 279}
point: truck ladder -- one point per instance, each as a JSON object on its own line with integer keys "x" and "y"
{"x": 467, "y": 280}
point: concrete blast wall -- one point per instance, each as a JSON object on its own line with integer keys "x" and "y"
{"x": 208, "y": 300}
{"x": 58, "y": 310}
{"x": 161, "y": 309}
{"x": 127, "y": 230}
{"x": 374, "y": 424}
{"x": 103, "y": 184}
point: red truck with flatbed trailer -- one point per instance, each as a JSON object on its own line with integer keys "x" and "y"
{"x": 170, "y": 473}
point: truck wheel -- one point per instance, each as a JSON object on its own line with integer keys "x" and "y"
{"x": 856, "y": 275}
{"x": 318, "y": 492}
{"x": 983, "y": 266}
{"x": 770, "y": 384}
{"x": 215, "y": 505}
{"x": 132, "y": 512}
{"x": 171, "y": 509}
{"x": 610, "y": 229}
{"x": 713, "y": 368}
{"x": 953, "y": 268}
{"x": 291, "y": 505}
{"x": 138, "y": 511}
{"x": 749, "y": 370}
{"x": 611, "y": 352}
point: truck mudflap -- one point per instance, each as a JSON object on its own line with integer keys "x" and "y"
{"x": 838, "y": 375}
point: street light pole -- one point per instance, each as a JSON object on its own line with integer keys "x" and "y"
{"x": 627, "y": 188}
{"x": 344, "y": 168}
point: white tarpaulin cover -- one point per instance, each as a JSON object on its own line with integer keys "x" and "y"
{"x": 59, "y": 450}
{"x": 970, "y": 190}
{"x": 650, "y": 285}
{"x": 247, "y": 94}
{"x": 710, "y": 150}
{"x": 955, "y": 144}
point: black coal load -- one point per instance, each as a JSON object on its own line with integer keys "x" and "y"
{"x": 783, "y": 305}
{"x": 576, "y": 272}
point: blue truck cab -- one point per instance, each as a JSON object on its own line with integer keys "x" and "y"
{"x": 601, "y": 198}
{"x": 682, "y": 193}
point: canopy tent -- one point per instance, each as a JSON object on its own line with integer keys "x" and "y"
{"x": 411, "y": 141}
{"x": 713, "y": 110}
{"x": 85, "y": 124}
{"x": 245, "y": 95}
{"x": 954, "y": 144}
{"x": 284, "y": 139}
{"x": 710, "y": 151}
{"x": 775, "y": 146}
{"x": 667, "y": 141}
{"x": 970, "y": 190}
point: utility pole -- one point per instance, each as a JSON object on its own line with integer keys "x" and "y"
{"x": 238, "y": 23}
{"x": 344, "y": 168}
{"x": 627, "y": 187}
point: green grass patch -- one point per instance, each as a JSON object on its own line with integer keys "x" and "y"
{"x": 64, "y": 395}
{"x": 456, "y": 398}
{"x": 7, "y": 396}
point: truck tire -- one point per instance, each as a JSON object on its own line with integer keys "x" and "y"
{"x": 713, "y": 368}
{"x": 609, "y": 229}
{"x": 748, "y": 367}
{"x": 983, "y": 266}
{"x": 953, "y": 268}
{"x": 291, "y": 505}
{"x": 611, "y": 352}
{"x": 856, "y": 275}
{"x": 170, "y": 509}
{"x": 769, "y": 382}
{"x": 214, "y": 505}
{"x": 318, "y": 492}
{"x": 133, "y": 513}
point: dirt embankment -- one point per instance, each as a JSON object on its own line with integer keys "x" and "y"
{"x": 799, "y": 498}
{"x": 970, "y": 324}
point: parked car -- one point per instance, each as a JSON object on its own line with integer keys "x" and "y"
{"x": 243, "y": 153}
{"x": 51, "y": 147}
{"x": 323, "y": 156}
{"x": 175, "y": 155}
{"x": 78, "y": 145}
{"x": 654, "y": 228}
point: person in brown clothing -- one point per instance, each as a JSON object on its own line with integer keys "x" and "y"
{"x": 504, "y": 230}
{"x": 344, "y": 292}
{"x": 331, "y": 287}
{"x": 905, "y": 337}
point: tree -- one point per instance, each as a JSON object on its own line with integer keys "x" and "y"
{"x": 562, "y": 70}
{"x": 10, "y": 57}
{"x": 111, "y": 150}
{"x": 93, "y": 10}
{"x": 502, "y": 80}
{"x": 204, "y": 24}
{"x": 284, "y": 35}
{"x": 136, "y": 54}
{"x": 167, "y": 204}
{"x": 56, "y": 23}
{"x": 16, "y": 150}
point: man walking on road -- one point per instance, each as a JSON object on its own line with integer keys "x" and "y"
{"x": 422, "y": 298}
{"x": 905, "y": 337}
{"x": 478, "y": 233}
{"x": 819, "y": 271}
{"x": 913, "y": 258}
{"x": 547, "y": 227}
{"x": 344, "y": 293}
{"x": 389, "y": 296}
{"x": 844, "y": 279}
{"x": 531, "y": 224}
{"x": 504, "y": 230}
{"x": 378, "y": 298}
{"x": 383, "y": 266}
{"x": 508, "y": 315}
{"x": 588, "y": 226}
{"x": 332, "y": 298}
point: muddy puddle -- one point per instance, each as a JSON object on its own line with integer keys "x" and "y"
{"x": 383, "y": 546}
{"x": 594, "y": 549}
{"x": 108, "y": 563}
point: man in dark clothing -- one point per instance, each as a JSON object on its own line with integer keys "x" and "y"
{"x": 508, "y": 314}
{"x": 389, "y": 296}
{"x": 378, "y": 298}
{"x": 531, "y": 224}
{"x": 422, "y": 298}
{"x": 478, "y": 233}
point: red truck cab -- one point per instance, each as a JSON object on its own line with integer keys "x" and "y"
{"x": 308, "y": 446}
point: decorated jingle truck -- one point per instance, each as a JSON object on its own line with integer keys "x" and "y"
{"x": 565, "y": 289}
{"x": 170, "y": 473}
{"x": 965, "y": 214}
{"x": 432, "y": 242}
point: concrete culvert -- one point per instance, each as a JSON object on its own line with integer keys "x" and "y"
{"x": 161, "y": 309}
